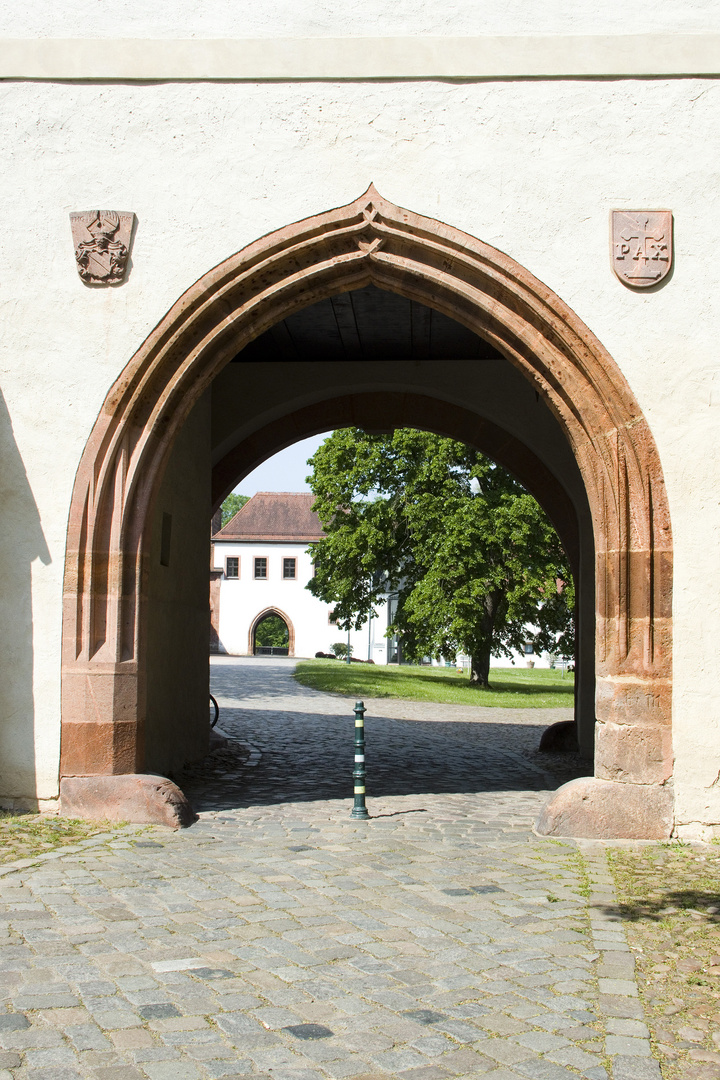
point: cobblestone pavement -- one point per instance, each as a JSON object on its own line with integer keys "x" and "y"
{"x": 278, "y": 938}
{"x": 453, "y": 749}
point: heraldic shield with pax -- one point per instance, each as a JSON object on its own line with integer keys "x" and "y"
{"x": 641, "y": 246}
{"x": 102, "y": 244}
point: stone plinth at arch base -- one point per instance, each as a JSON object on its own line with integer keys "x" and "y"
{"x": 141, "y": 798}
{"x": 593, "y": 809}
{"x": 373, "y": 242}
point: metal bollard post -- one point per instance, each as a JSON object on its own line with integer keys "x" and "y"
{"x": 359, "y": 809}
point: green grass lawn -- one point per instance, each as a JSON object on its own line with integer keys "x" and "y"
{"x": 24, "y": 836}
{"x": 510, "y": 688}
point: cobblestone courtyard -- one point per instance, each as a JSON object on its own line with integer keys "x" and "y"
{"x": 278, "y": 938}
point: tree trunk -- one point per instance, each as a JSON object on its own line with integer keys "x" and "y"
{"x": 480, "y": 659}
{"x": 480, "y": 668}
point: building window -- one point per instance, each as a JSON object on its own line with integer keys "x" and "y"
{"x": 261, "y": 568}
{"x": 289, "y": 569}
{"x": 232, "y": 567}
{"x": 528, "y": 648}
{"x": 332, "y": 618}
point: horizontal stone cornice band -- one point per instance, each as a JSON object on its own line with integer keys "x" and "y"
{"x": 255, "y": 59}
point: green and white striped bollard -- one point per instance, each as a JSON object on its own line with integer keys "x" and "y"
{"x": 359, "y": 809}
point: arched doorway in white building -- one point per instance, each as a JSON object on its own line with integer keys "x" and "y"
{"x": 272, "y": 634}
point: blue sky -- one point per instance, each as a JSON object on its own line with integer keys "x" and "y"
{"x": 285, "y": 471}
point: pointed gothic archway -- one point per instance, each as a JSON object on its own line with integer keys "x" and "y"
{"x": 267, "y": 613}
{"x": 371, "y": 241}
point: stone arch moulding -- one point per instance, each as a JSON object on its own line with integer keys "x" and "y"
{"x": 263, "y": 615}
{"x": 372, "y": 241}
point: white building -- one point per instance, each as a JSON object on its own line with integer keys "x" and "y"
{"x": 261, "y": 567}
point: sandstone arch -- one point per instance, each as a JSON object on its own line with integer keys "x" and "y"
{"x": 371, "y": 241}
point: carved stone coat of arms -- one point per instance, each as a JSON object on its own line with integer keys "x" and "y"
{"x": 641, "y": 246}
{"x": 102, "y": 244}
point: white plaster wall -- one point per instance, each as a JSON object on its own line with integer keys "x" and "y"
{"x": 308, "y": 18}
{"x": 532, "y": 167}
{"x": 516, "y": 660}
{"x": 521, "y": 660}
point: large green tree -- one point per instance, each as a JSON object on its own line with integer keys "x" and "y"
{"x": 471, "y": 555}
{"x": 272, "y": 631}
{"x": 230, "y": 507}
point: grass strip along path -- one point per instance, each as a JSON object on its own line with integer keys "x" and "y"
{"x": 669, "y": 897}
{"x": 25, "y": 836}
{"x": 510, "y": 688}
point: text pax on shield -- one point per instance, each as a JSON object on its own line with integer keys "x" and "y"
{"x": 641, "y": 246}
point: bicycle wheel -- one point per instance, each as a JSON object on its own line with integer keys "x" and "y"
{"x": 214, "y": 711}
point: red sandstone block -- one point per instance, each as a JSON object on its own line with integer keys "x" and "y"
{"x": 138, "y": 797}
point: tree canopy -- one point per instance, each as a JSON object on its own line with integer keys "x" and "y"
{"x": 470, "y": 571}
{"x": 272, "y": 631}
{"x": 230, "y": 507}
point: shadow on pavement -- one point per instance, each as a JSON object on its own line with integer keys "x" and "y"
{"x": 299, "y": 757}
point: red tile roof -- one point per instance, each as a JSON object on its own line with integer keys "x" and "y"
{"x": 275, "y": 515}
